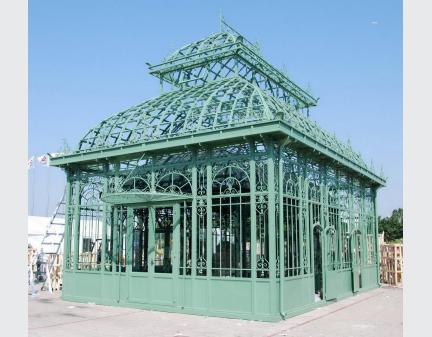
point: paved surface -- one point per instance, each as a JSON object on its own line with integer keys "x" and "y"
{"x": 377, "y": 313}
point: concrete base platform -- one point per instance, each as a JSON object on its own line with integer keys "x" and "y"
{"x": 374, "y": 313}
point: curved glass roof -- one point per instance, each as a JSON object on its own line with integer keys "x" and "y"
{"x": 225, "y": 103}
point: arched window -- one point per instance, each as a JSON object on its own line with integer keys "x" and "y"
{"x": 333, "y": 224}
{"x": 174, "y": 182}
{"x": 332, "y": 249}
{"x": 231, "y": 222}
{"x": 135, "y": 184}
{"x": 90, "y": 225}
{"x": 292, "y": 224}
{"x": 344, "y": 231}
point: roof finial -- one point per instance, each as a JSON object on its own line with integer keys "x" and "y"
{"x": 221, "y": 20}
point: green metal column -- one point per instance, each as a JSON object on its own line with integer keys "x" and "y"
{"x": 115, "y": 223}
{"x": 151, "y": 250}
{"x": 104, "y": 220}
{"x": 114, "y": 240}
{"x": 176, "y": 252}
{"x": 281, "y": 235}
{"x": 253, "y": 223}
{"x": 129, "y": 239}
{"x": 76, "y": 224}
{"x": 68, "y": 208}
{"x": 303, "y": 218}
{"x": 151, "y": 239}
{"x": 324, "y": 224}
{"x": 377, "y": 246}
{"x": 209, "y": 256}
{"x": 363, "y": 228}
{"x": 350, "y": 209}
{"x": 341, "y": 235}
{"x": 271, "y": 224}
{"x": 194, "y": 216}
{"x": 194, "y": 224}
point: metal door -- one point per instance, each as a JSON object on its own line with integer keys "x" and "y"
{"x": 163, "y": 253}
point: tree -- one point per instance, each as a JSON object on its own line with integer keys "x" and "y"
{"x": 392, "y": 226}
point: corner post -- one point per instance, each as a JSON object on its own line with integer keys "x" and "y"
{"x": 76, "y": 224}
{"x": 253, "y": 222}
{"x": 115, "y": 224}
{"x": 271, "y": 222}
{"x": 377, "y": 246}
{"x": 104, "y": 221}
{"x": 68, "y": 224}
{"x": 281, "y": 233}
{"x": 303, "y": 220}
{"x": 194, "y": 216}
{"x": 129, "y": 237}
{"x": 209, "y": 257}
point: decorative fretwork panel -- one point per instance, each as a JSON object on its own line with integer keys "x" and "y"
{"x": 186, "y": 238}
{"x": 201, "y": 180}
{"x": 344, "y": 235}
{"x": 371, "y": 240}
{"x": 261, "y": 176}
{"x": 231, "y": 179}
{"x": 332, "y": 196}
{"x": 201, "y": 263}
{"x": 333, "y": 261}
{"x": 135, "y": 184}
{"x": 90, "y": 191}
{"x": 291, "y": 185}
{"x": 343, "y": 197}
{"x": 69, "y": 256}
{"x": 262, "y": 235}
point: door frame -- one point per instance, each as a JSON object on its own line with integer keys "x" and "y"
{"x": 318, "y": 226}
{"x": 152, "y": 276}
{"x": 356, "y": 260}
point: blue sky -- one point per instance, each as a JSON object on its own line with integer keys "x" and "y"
{"x": 87, "y": 62}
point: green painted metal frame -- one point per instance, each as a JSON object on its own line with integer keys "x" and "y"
{"x": 278, "y": 294}
{"x": 270, "y": 141}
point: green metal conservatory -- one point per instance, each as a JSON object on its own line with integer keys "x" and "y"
{"x": 219, "y": 197}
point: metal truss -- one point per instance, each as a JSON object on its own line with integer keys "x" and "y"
{"x": 218, "y": 105}
{"x": 226, "y": 54}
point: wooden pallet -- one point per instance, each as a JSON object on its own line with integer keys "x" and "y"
{"x": 56, "y": 261}
{"x": 392, "y": 264}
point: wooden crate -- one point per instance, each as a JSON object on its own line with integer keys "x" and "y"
{"x": 391, "y": 264}
{"x": 56, "y": 271}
